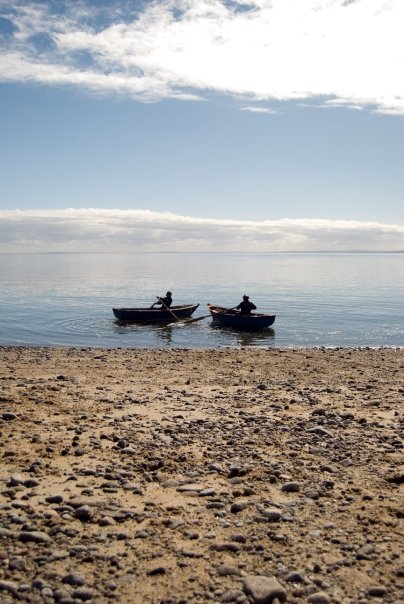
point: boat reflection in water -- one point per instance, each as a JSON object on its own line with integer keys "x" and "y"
{"x": 165, "y": 334}
{"x": 146, "y": 335}
{"x": 264, "y": 337}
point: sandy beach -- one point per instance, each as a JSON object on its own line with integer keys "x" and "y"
{"x": 190, "y": 476}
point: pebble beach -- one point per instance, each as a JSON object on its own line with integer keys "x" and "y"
{"x": 181, "y": 476}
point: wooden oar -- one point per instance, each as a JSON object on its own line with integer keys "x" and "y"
{"x": 183, "y": 320}
{"x": 204, "y": 317}
{"x": 169, "y": 310}
{"x": 224, "y": 310}
{"x": 196, "y": 319}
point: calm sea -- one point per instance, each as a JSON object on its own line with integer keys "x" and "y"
{"x": 318, "y": 299}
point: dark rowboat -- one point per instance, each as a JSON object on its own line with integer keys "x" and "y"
{"x": 154, "y": 315}
{"x": 232, "y": 318}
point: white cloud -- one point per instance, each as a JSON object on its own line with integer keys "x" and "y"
{"x": 257, "y": 109}
{"x": 100, "y": 230}
{"x": 262, "y": 50}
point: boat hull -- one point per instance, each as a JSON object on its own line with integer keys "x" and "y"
{"x": 234, "y": 319}
{"x": 154, "y": 315}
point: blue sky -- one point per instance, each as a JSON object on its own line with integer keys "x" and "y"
{"x": 201, "y": 125}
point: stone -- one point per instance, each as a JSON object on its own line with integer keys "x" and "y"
{"x": 9, "y": 586}
{"x": 54, "y": 499}
{"x": 263, "y": 589}
{"x": 290, "y": 487}
{"x": 17, "y": 563}
{"x": 400, "y": 571}
{"x": 15, "y": 480}
{"x": 83, "y": 593}
{"x": 34, "y": 536}
{"x": 74, "y": 579}
{"x": 294, "y": 577}
{"x": 319, "y": 597}
{"x": 364, "y": 552}
{"x": 225, "y": 547}
{"x": 128, "y": 451}
{"x": 376, "y": 591}
{"x": 7, "y": 533}
{"x": 8, "y": 416}
{"x": 238, "y": 507}
{"x": 238, "y": 538}
{"x": 312, "y": 494}
{"x": 159, "y": 570}
{"x": 83, "y": 513}
{"x": 320, "y": 431}
{"x": 47, "y": 592}
{"x": 207, "y": 493}
{"x": 233, "y": 595}
{"x": 228, "y": 571}
{"x": 60, "y": 594}
{"x": 107, "y": 521}
{"x": 31, "y": 483}
{"x": 272, "y": 514}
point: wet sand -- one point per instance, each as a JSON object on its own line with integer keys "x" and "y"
{"x": 182, "y": 476}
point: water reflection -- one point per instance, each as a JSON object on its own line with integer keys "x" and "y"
{"x": 121, "y": 328}
{"x": 153, "y": 332}
{"x": 165, "y": 334}
{"x": 247, "y": 338}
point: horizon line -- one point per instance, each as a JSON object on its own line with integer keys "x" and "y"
{"x": 215, "y": 252}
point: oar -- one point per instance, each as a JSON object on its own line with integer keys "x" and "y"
{"x": 169, "y": 310}
{"x": 204, "y": 317}
{"x": 183, "y": 320}
{"x": 196, "y": 319}
{"x": 227, "y": 309}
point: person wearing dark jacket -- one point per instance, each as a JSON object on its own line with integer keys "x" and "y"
{"x": 245, "y": 307}
{"x": 166, "y": 301}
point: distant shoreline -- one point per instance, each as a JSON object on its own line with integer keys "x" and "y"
{"x": 290, "y": 252}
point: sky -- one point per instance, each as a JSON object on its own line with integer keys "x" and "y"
{"x": 201, "y": 125}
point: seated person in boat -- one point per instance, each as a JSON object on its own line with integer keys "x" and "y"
{"x": 166, "y": 301}
{"x": 245, "y": 307}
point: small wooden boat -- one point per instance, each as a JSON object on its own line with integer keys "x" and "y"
{"x": 233, "y": 318}
{"x": 154, "y": 315}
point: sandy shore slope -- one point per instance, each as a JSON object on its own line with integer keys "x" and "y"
{"x": 182, "y": 476}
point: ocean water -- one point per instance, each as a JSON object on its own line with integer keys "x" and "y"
{"x": 319, "y": 299}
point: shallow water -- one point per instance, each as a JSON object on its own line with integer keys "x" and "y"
{"x": 318, "y": 299}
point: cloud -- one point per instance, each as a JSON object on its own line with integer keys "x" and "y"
{"x": 255, "y": 51}
{"x": 100, "y": 230}
{"x": 257, "y": 109}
